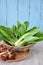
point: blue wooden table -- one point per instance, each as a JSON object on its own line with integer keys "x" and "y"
{"x": 13, "y": 10}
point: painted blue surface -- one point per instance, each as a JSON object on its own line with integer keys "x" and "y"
{"x": 11, "y": 12}
{"x": 35, "y": 12}
{"x": 22, "y": 10}
{"x": 41, "y": 16}
{"x": 2, "y": 12}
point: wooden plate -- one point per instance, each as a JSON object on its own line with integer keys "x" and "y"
{"x": 20, "y": 56}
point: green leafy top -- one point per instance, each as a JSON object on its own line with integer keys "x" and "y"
{"x": 20, "y": 34}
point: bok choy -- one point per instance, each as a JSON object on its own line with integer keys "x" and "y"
{"x": 20, "y": 34}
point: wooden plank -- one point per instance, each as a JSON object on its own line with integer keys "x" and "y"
{"x": 41, "y": 16}
{"x": 23, "y": 10}
{"x": 2, "y": 12}
{"x": 35, "y": 13}
{"x": 11, "y": 12}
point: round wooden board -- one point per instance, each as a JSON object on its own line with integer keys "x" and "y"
{"x": 20, "y": 56}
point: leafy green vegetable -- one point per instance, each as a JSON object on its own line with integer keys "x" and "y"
{"x": 26, "y": 24}
{"x": 16, "y": 32}
{"x": 18, "y": 24}
{"x": 6, "y": 36}
{"x": 23, "y": 27}
{"x": 39, "y": 34}
{"x": 27, "y": 39}
{"x": 7, "y": 30}
{"x": 27, "y": 35}
{"x": 20, "y": 29}
{"x": 20, "y": 34}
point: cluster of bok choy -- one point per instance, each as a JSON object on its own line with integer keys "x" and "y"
{"x": 20, "y": 34}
